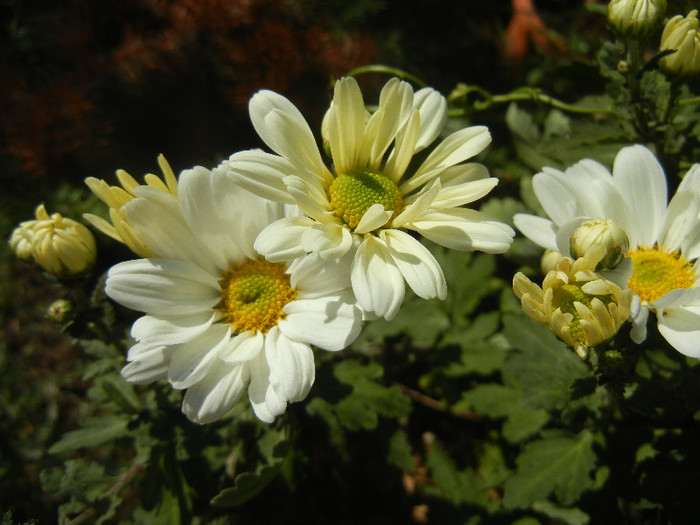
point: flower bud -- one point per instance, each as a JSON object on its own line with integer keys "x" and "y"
{"x": 637, "y": 18}
{"x": 581, "y": 308}
{"x": 549, "y": 260}
{"x": 60, "y": 311}
{"x": 21, "y": 239}
{"x": 62, "y": 246}
{"x": 600, "y": 232}
{"x": 683, "y": 37}
{"x": 117, "y": 196}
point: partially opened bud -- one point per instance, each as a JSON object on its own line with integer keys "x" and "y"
{"x": 604, "y": 233}
{"x": 62, "y": 246}
{"x": 682, "y": 36}
{"x": 636, "y": 17}
{"x": 580, "y": 307}
{"x": 21, "y": 239}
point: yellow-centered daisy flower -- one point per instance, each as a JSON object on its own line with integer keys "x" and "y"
{"x": 220, "y": 320}
{"x": 117, "y": 196}
{"x": 371, "y": 196}
{"x": 662, "y": 238}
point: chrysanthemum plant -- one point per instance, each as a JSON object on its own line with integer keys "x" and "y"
{"x": 328, "y": 329}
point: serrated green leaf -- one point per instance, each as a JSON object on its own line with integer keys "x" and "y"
{"x": 122, "y": 393}
{"x": 247, "y": 486}
{"x": 561, "y": 515}
{"x": 95, "y": 431}
{"x": 545, "y": 368}
{"x": 560, "y": 464}
{"x": 457, "y": 486}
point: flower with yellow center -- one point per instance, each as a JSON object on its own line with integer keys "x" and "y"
{"x": 117, "y": 196}
{"x": 61, "y": 246}
{"x": 661, "y": 265}
{"x": 370, "y": 196}
{"x": 220, "y": 319}
{"x": 580, "y": 307}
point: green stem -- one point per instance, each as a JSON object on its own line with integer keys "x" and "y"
{"x": 385, "y": 70}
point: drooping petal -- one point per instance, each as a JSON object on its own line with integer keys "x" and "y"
{"x": 376, "y": 281}
{"x": 216, "y": 393}
{"x": 172, "y": 330}
{"x": 281, "y": 240}
{"x": 539, "y": 230}
{"x": 147, "y": 363}
{"x": 261, "y": 173}
{"x": 417, "y": 265}
{"x": 330, "y": 240}
{"x": 680, "y": 326}
{"x": 243, "y": 347}
{"x": 191, "y": 361}
{"x": 266, "y": 403}
{"x": 329, "y": 322}
{"x": 162, "y": 286}
{"x": 464, "y": 229}
{"x": 291, "y": 363}
{"x": 313, "y": 276}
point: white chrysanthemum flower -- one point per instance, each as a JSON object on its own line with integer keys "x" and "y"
{"x": 221, "y": 319}
{"x": 664, "y": 239}
{"x": 370, "y": 197}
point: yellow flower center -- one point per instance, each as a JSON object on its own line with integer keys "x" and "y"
{"x": 253, "y": 295}
{"x": 352, "y": 193}
{"x": 655, "y": 273}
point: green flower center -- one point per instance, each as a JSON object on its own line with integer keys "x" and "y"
{"x": 352, "y": 194}
{"x": 655, "y": 273}
{"x": 565, "y": 296}
{"x": 254, "y": 294}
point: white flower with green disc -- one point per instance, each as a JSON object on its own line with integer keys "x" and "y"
{"x": 367, "y": 201}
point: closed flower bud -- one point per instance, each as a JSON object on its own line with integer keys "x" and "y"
{"x": 62, "y": 246}
{"x": 581, "y": 308}
{"x": 638, "y": 18}
{"x": 682, "y": 36}
{"x": 59, "y": 311}
{"x": 549, "y": 260}
{"x": 600, "y": 232}
{"x": 21, "y": 239}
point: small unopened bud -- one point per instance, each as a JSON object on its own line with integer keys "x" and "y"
{"x": 682, "y": 36}
{"x": 637, "y": 18}
{"x": 581, "y": 308}
{"x": 600, "y": 232}
{"x": 62, "y": 246}
{"x": 549, "y": 260}
{"x": 59, "y": 311}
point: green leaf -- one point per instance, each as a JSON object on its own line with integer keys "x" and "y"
{"x": 561, "y": 463}
{"x": 359, "y": 409}
{"x": 122, "y": 393}
{"x": 561, "y": 515}
{"x": 247, "y": 486}
{"x": 95, "y": 431}
{"x": 545, "y": 368}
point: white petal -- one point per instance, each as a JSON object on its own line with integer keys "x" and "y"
{"x": 422, "y": 201}
{"x": 677, "y": 297}
{"x": 464, "y": 193}
{"x": 172, "y": 330}
{"x": 215, "y": 394}
{"x": 281, "y": 240}
{"x": 291, "y": 363}
{"x": 266, "y": 404}
{"x": 395, "y": 103}
{"x": 147, "y": 364}
{"x": 243, "y": 347}
{"x": 375, "y": 217}
{"x": 261, "y": 173}
{"x": 330, "y": 240}
{"x": 539, "y": 230}
{"x": 283, "y": 128}
{"x": 691, "y": 180}
{"x": 640, "y": 178}
{"x": 638, "y": 333}
{"x": 191, "y": 361}
{"x": 376, "y": 281}
{"x": 313, "y": 276}
{"x": 346, "y": 123}
{"x": 464, "y": 229}
{"x": 681, "y": 327}
{"x": 331, "y": 322}
{"x": 417, "y": 265}
{"x": 457, "y": 147}
{"x": 681, "y": 222}
{"x": 162, "y": 286}
{"x": 404, "y": 148}
{"x": 311, "y": 198}
{"x": 433, "y": 116}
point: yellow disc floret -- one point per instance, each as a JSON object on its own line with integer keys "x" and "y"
{"x": 656, "y": 273}
{"x": 254, "y": 294}
{"x": 352, "y": 193}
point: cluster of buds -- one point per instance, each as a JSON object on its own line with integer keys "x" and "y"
{"x": 61, "y": 246}
{"x": 580, "y": 307}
